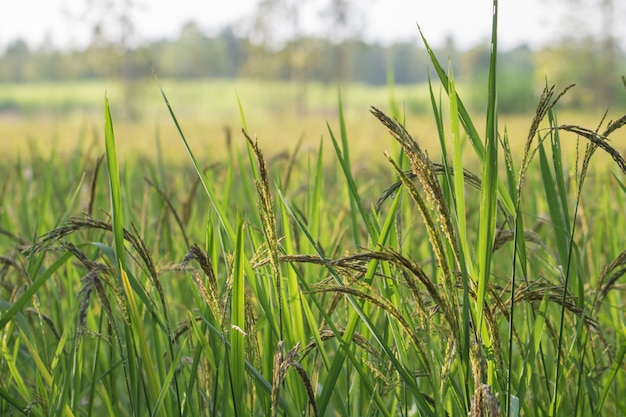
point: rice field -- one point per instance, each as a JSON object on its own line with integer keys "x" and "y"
{"x": 468, "y": 274}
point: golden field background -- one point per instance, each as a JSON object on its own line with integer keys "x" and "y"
{"x": 61, "y": 116}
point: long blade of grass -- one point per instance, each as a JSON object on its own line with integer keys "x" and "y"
{"x": 238, "y": 324}
{"x": 114, "y": 183}
{"x": 137, "y": 331}
{"x": 10, "y": 361}
{"x": 459, "y": 180}
{"x": 467, "y": 264}
{"x": 488, "y": 196}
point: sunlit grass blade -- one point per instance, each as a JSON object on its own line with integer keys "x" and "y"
{"x": 466, "y": 262}
{"x": 238, "y": 324}
{"x": 115, "y": 189}
{"x": 466, "y": 120}
{"x": 316, "y": 201}
{"x": 138, "y": 334}
{"x": 242, "y": 116}
{"x": 458, "y": 178}
{"x": 488, "y": 197}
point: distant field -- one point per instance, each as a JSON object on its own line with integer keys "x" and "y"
{"x": 59, "y": 115}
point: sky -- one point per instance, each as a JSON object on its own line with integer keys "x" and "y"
{"x": 61, "y": 22}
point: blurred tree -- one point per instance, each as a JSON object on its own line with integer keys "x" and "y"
{"x": 234, "y": 48}
{"x": 345, "y": 21}
{"x": 367, "y": 64}
{"x": 276, "y": 27}
{"x": 15, "y": 61}
{"x": 193, "y": 54}
{"x": 591, "y": 42}
{"x": 48, "y": 60}
{"x": 113, "y": 29}
{"x": 517, "y": 92}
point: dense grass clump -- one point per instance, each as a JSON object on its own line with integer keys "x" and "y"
{"x": 291, "y": 287}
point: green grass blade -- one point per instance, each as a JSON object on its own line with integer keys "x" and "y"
{"x": 242, "y": 115}
{"x": 238, "y": 324}
{"x": 534, "y": 342}
{"x": 10, "y": 361}
{"x": 138, "y": 333}
{"x": 557, "y": 161}
{"x": 458, "y": 179}
{"x": 621, "y": 184}
{"x": 467, "y": 264}
{"x": 44, "y": 372}
{"x": 488, "y": 194}
{"x": 114, "y": 183}
{"x": 466, "y": 120}
{"x": 316, "y": 199}
{"x": 557, "y": 217}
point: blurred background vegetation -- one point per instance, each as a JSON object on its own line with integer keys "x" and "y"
{"x": 302, "y": 72}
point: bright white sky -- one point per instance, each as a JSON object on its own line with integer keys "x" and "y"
{"x": 520, "y": 21}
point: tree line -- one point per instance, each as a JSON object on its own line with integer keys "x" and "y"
{"x": 194, "y": 54}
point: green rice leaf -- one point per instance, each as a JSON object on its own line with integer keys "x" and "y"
{"x": 114, "y": 183}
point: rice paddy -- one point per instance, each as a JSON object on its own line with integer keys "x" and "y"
{"x": 481, "y": 278}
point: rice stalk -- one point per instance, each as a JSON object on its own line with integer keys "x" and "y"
{"x": 422, "y": 167}
{"x": 282, "y": 362}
